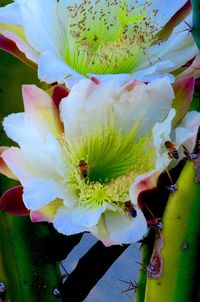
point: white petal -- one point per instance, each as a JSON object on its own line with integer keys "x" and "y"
{"x": 124, "y": 230}
{"x": 43, "y": 23}
{"x": 47, "y": 158}
{"x": 168, "y": 55}
{"x": 15, "y": 160}
{"x": 19, "y": 128}
{"x": 182, "y": 134}
{"x": 161, "y": 134}
{"x": 64, "y": 223}
{"x": 157, "y": 70}
{"x": 52, "y": 68}
{"x": 146, "y": 104}
{"x": 38, "y": 160}
{"x": 90, "y": 106}
{"x": 121, "y": 78}
{"x": 191, "y": 123}
{"x": 165, "y": 11}
{"x": 161, "y": 131}
{"x": 87, "y": 217}
{"x": 39, "y": 192}
{"x": 28, "y": 129}
{"x": 11, "y": 14}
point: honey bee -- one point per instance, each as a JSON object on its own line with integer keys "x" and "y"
{"x": 130, "y": 209}
{"x": 83, "y": 166}
{"x": 172, "y": 151}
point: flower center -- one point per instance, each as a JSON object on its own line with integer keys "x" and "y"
{"x": 105, "y": 38}
{"x": 104, "y": 162}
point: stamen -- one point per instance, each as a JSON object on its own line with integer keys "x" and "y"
{"x": 112, "y": 159}
{"x": 106, "y": 37}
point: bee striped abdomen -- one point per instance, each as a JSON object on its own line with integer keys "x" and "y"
{"x": 172, "y": 151}
{"x": 83, "y": 166}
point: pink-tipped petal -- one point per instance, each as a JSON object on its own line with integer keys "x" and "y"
{"x": 143, "y": 182}
{"x": 11, "y": 202}
{"x": 11, "y": 47}
{"x": 41, "y": 108}
{"x": 3, "y": 166}
{"x": 58, "y": 93}
{"x": 183, "y": 90}
{"x": 47, "y": 212}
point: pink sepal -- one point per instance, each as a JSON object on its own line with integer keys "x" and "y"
{"x": 12, "y": 202}
{"x": 11, "y": 47}
{"x": 58, "y": 93}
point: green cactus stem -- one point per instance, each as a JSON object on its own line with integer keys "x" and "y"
{"x": 195, "y": 21}
{"x": 146, "y": 251}
{"x": 181, "y": 234}
{"x": 25, "y": 269}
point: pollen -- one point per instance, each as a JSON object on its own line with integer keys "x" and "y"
{"x": 107, "y": 37}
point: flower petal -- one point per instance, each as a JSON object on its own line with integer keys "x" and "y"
{"x": 57, "y": 71}
{"x": 41, "y": 109}
{"x": 139, "y": 104}
{"x": 47, "y": 212}
{"x": 85, "y": 109}
{"x": 123, "y": 230}
{"x": 15, "y": 160}
{"x": 142, "y": 183}
{"x": 178, "y": 17}
{"x": 43, "y": 23}
{"x": 177, "y": 49}
{"x": 191, "y": 123}
{"x": 183, "y": 90}
{"x": 11, "y": 14}
{"x": 64, "y": 223}
{"x": 40, "y": 119}
{"x": 87, "y": 217}
{"x": 3, "y": 167}
{"x": 161, "y": 134}
{"x": 17, "y": 47}
{"x": 38, "y": 192}
{"x": 161, "y": 131}
{"x": 20, "y": 129}
{"x": 20, "y": 48}
{"x": 11, "y": 202}
{"x": 44, "y": 159}
{"x": 192, "y": 71}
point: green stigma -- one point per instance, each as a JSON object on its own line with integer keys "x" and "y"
{"x": 112, "y": 159}
{"x": 104, "y": 38}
